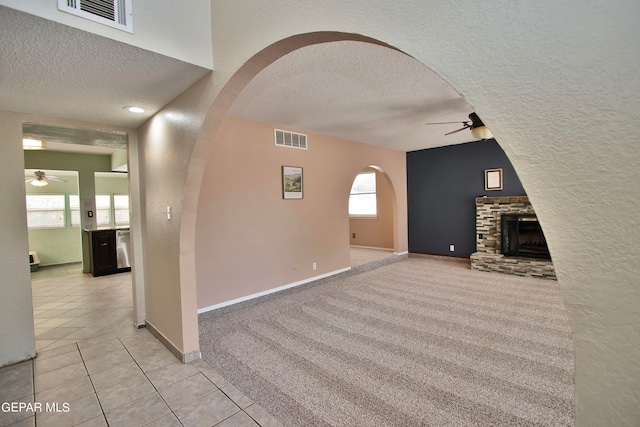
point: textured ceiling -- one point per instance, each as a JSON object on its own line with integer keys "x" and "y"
{"x": 93, "y": 141}
{"x": 356, "y": 91}
{"x": 51, "y": 69}
{"x": 350, "y": 90}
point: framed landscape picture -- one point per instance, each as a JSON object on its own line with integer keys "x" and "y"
{"x": 493, "y": 179}
{"x": 291, "y": 182}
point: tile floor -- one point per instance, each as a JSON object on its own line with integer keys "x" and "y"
{"x": 95, "y": 369}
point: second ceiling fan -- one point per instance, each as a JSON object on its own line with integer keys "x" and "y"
{"x": 41, "y": 179}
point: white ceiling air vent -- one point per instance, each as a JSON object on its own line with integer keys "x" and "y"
{"x": 114, "y": 13}
{"x": 290, "y": 139}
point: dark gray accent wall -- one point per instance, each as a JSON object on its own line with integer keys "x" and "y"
{"x": 442, "y": 184}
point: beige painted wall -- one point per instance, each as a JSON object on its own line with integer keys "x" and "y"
{"x": 250, "y": 239}
{"x": 376, "y": 232}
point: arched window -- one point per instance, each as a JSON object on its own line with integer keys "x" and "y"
{"x": 362, "y": 200}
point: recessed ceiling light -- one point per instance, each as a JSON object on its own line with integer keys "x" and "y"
{"x": 33, "y": 144}
{"x": 137, "y": 110}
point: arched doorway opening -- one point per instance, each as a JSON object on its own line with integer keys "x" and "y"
{"x": 372, "y": 211}
{"x": 208, "y": 141}
{"x": 191, "y": 269}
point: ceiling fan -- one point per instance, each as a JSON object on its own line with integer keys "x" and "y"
{"x": 41, "y": 179}
{"x": 478, "y": 129}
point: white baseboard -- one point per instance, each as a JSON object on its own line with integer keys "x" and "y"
{"x": 271, "y": 291}
{"x": 371, "y": 247}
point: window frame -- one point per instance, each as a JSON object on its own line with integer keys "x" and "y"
{"x": 109, "y": 210}
{"x": 116, "y": 224}
{"x": 71, "y": 210}
{"x": 360, "y": 193}
{"x": 63, "y": 210}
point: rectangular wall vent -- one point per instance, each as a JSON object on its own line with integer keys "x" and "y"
{"x": 290, "y": 139}
{"x": 114, "y": 13}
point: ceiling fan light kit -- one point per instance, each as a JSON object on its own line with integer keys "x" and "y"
{"x": 41, "y": 179}
{"x": 478, "y": 129}
{"x": 481, "y": 132}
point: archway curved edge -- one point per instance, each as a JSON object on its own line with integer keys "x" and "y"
{"x": 560, "y": 157}
{"x": 232, "y": 84}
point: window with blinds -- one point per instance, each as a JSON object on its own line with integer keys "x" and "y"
{"x": 121, "y": 209}
{"x": 46, "y": 211}
{"x": 103, "y": 210}
{"x": 362, "y": 200}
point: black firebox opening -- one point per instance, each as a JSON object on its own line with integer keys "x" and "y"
{"x": 522, "y": 236}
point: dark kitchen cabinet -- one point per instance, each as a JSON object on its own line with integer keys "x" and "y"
{"x": 103, "y": 252}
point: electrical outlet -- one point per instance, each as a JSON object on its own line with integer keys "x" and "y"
{"x": 452, "y": 248}
{"x": 314, "y": 266}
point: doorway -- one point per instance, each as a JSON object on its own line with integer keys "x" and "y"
{"x": 371, "y": 210}
{"x": 100, "y": 161}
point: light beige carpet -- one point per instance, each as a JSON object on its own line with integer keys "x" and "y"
{"x": 417, "y": 342}
{"x": 361, "y": 256}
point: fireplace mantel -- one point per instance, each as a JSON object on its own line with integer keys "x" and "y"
{"x": 488, "y": 256}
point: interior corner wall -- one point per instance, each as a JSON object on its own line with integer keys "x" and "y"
{"x": 376, "y": 232}
{"x": 119, "y": 160}
{"x": 164, "y": 146}
{"x": 17, "y": 337}
{"x": 250, "y": 240}
{"x": 442, "y": 186}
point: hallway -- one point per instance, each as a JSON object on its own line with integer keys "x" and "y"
{"x": 95, "y": 369}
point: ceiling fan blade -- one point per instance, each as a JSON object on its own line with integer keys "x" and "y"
{"x": 457, "y": 130}
{"x": 55, "y": 178}
{"x": 446, "y": 123}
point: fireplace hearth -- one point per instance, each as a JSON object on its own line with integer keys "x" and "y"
{"x": 509, "y": 238}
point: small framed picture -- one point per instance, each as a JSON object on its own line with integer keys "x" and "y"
{"x": 291, "y": 182}
{"x": 493, "y": 179}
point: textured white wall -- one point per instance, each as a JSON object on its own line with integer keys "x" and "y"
{"x": 557, "y": 84}
{"x": 165, "y": 143}
{"x": 179, "y": 29}
{"x": 17, "y": 340}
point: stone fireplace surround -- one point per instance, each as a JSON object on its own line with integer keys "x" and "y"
{"x": 488, "y": 256}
